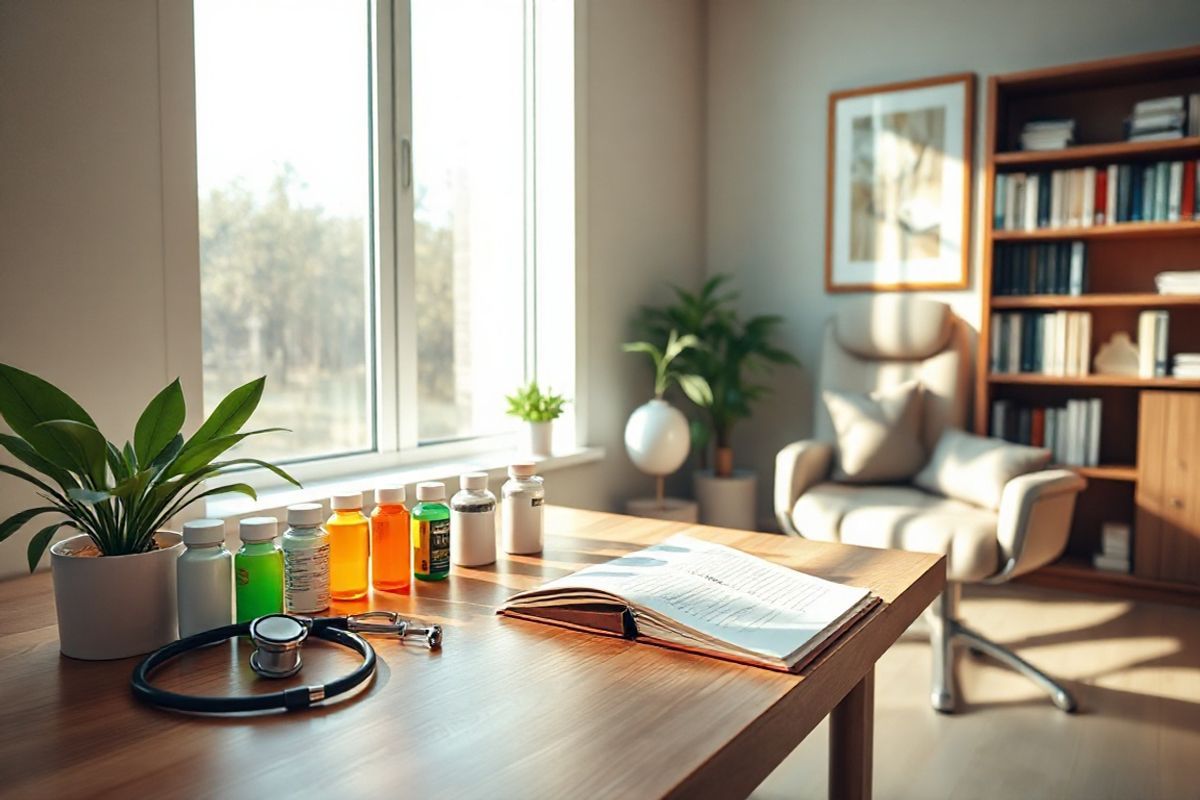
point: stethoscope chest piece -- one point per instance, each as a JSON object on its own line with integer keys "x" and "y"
{"x": 277, "y": 639}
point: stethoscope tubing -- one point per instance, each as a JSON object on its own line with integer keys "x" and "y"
{"x": 331, "y": 629}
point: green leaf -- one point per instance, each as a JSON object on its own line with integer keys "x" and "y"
{"x": 696, "y": 389}
{"x": 21, "y": 451}
{"x": 221, "y": 465}
{"x": 158, "y": 424}
{"x": 27, "y": 401}
{"x": 194, "y": 457}
{"x": 168, "y": 454}
{"x": 643, "y": 347}
{"x": 25, "y": 476}
{"x": 116, "y": 462}
{"x": 230, "y": 414}
{"x": 14, "y": 523}
{"x": 85, "y": 446}
{"x": 89, "y": 496}
{"x": 39, "y": 543}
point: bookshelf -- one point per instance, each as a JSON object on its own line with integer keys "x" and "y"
{"x": 1122, "y": 260}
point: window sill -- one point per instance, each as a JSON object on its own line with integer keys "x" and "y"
{"x": 274, "y": 502}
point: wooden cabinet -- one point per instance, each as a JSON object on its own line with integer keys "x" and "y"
{"x": 1167, "y": 533}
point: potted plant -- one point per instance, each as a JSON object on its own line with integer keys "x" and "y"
{"x": 114, "y": 582}
{"x": 733, "y": 350}
{"x": 538, "y": 410}
{"x": 656, "y": 436}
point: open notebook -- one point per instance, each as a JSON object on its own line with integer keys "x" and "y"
{"x": 702, "y": 597}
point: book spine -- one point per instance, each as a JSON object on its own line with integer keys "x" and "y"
{"x": 1110, "y": 195}
{"x": 1145, "y": 344}
{"x": 994, "y": 344}
{"x": 998, "y": 202}
{"x": 1011, "y": 190}
{"x": 1162, "y": 190}
{"x": 1075, "y": 285}
{"x": 1031, "y": 202}
{"x": 1049, "y": 438}
{"x": 1174, "y": 191}
{"x": 1043, "y": 200}
{"x": 1162, "y": 363}
{"x": 1056, "y": 199}
{"x": 1014, "y": 343}
{"x": 1087, "y": 213}
{"x": 1093, "y": 455}
{"x": 1149, "y": 174}
{"x": 1101, "y": 195}
{"x": 999, "y": 410}
{"x": 1187, "y": 202}
{"x": 1136, "y": 185}
{"x": 1124, "y": 201}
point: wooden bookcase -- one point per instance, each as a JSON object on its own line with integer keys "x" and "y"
{"x": 1122, "y": 262}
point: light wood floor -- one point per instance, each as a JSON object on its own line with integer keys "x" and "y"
{"x": 1135, "y": 669}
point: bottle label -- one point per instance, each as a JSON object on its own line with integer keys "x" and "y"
{"x": 433, "y": 547}
{"x": 473, "y": 539}
{"x": 521, "y": 524}
{"x": 306, "y": 579}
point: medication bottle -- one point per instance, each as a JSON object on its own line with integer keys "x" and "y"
{"x": 259, "y": 569}
{"x": 391, "y": 541}
{"x": 431, "y": 533}
{"x": 349, "y": 547}
{"x": 473, "y": 522}
{"x": 204, "y": 576}
{"x": 305, "y": 560}
{"x": 523, "y": 498}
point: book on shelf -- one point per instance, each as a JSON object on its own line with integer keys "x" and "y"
{"x": 1047, "y": 134}
{"x": 1040, "y": 342}
{"x": 1071, "y": 432}
{"x": 1153, "y": 361}
{"x": 1163, "y": 118}
{"x": 1111, "y": 563}
{"x": 1178, "y": 282}
{"x": 1054, "y": 268}
{"x": 688, "y": 594}
{"x": 1163, "y": 191}
{"x": 1186, "y": 365}
{"x": 1115, "y": 539}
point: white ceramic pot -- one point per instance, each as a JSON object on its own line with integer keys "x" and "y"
{"x": 657, "y": 438}
{"x": 115, "y": 606}
{"x": 539, "y": 438}
{"x": 727, "y": 502}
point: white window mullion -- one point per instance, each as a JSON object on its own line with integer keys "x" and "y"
{"x": 384, "y": 152}
{"x": 530, "y": 192}
{"x": 405, "y": 319}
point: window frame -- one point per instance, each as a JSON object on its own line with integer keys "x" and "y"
{"x": 393, "y": 340}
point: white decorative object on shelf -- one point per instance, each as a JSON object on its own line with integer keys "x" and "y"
{"x": 1117, "y": 356}
{"x": 657, "y": 438}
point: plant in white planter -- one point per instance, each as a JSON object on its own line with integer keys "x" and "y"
{"x": 731, "y": 352}
{"x": 656, "y": 436}
{"x": 538, "y": 410}
{"x": 114, "y": 583}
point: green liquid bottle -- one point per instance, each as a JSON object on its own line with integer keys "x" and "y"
{"x": 431, "y": 533}
{"x": 258, "y": 570}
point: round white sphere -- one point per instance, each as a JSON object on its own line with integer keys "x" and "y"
{"x": 657, "y": 438}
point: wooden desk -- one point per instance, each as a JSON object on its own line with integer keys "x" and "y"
{"x": 508, "y": 708}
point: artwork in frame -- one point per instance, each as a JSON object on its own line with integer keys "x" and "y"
{"x": 898, "y": 187}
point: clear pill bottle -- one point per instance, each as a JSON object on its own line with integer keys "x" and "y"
{"x": 473, "y": 522}
{"x": 204, "y": 577}
{"x": 523, "y": 497}
{"x": 305, "y": 560}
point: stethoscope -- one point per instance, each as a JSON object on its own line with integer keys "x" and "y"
{"x": 277, "y": 639}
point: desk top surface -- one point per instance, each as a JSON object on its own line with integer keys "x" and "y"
{"x": 506, "y": 708}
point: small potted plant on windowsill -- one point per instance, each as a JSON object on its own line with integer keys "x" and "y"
{"x": 114, "y": 582}
{"x": 538, "y": 411}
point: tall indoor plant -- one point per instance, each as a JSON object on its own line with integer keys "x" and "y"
{"x": 734, "y": 356}
{"x": 114, "y": 582}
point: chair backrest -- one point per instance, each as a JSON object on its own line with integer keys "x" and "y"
{"x": 876, "y": 342}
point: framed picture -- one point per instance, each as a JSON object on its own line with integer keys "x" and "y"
{"x": 898, "y": 188}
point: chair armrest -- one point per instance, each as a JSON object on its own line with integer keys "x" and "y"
{"x": 798, "y": 466}
{"x": 1035, "y": 519}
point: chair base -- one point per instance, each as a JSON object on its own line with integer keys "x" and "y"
{"x": 945, "y": 628}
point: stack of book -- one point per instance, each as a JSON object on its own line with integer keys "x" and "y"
{"x": 1187, "y": 282}
{"x": 1163, "y": 118}
{"x": 1152, "y": 343}
{"x": 1044, "y": 268}
{"x": 1114, "y": 548}
{"x": 1048, "y": 134}
{"x": 1071, "y": 433}
{"x": 1165, "y": 191}
{"x": 1042, "y": 342}
{"x": 1186, "y": 365}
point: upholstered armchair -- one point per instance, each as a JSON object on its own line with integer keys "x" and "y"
{"x": 1010, "y": 516}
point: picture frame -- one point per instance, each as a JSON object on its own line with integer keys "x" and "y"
{"x": 898, "y": 185}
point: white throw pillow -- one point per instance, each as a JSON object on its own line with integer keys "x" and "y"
{"x": 974, "y": 469}
{"x": 878, "y": 434}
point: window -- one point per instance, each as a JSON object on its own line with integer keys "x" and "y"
{"x": 371, "y": 192}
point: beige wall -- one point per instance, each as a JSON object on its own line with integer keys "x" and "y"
{"x": 97, "y": 208}
{"x": 771, "y": 67}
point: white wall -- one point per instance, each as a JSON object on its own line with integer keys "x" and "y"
{"x": 97, "y": 208}
{"x": 771, "y": 67}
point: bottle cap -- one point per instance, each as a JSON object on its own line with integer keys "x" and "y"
{"x": 390, "y": 495}
{"x": 305, "y": 515}
{"x": 346, "y": 502}
{"x": 258, "y": 529}
{"x": 431, "y": 491}
{"x": 473, "y": 481}
{"x": 522, "y": 469}
{"x": 204, "y": 531}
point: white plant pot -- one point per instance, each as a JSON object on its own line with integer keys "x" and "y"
{"x": 539, "y": 438}
{"x": 115, "y": 606}
{"x": 727, "y": 502}
{"x": 657, "y": 438}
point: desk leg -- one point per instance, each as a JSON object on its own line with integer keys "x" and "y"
{"x": 851, "y": 734}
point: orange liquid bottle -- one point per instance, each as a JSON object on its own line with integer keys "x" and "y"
{"x": 391, "y": 542}
{"x": 349, "y": 548}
